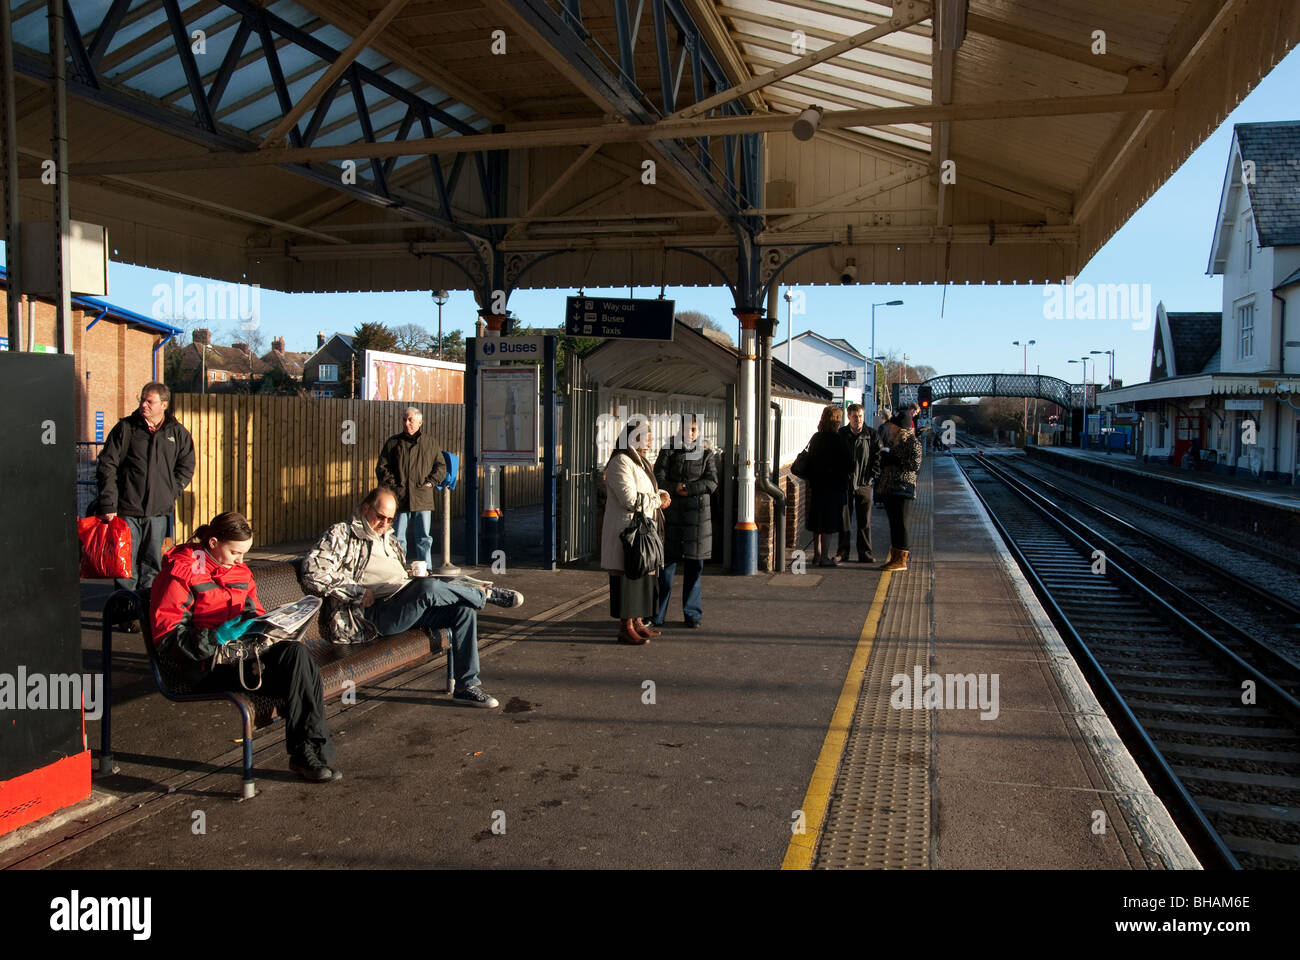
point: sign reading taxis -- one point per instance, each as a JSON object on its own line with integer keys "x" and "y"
{"x": 511, "y": 348}
{"x": 619, "y": 319}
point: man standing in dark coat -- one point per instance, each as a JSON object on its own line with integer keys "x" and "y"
{"x": 687, "y": 470}
{"x": 412, "y": 464}
{"x": 864, "y": 445}
{"x": 147, "y": 460}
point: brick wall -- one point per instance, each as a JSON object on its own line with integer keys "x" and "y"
{"x": 112, "y": 362}
{"x": 796, "y": 509}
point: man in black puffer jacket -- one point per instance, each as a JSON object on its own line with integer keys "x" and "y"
{"x": 146, "y": 462}
{"x": 865, "y": 447}
{"x": 412, "y": 464}
{"x": 687, "y": 470}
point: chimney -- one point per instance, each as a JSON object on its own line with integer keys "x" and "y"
{"x": 277, "y": 344}
{"x": 241, "y": 347}
{"x": 203, "y": 335}
{"x": 320, "y": 339}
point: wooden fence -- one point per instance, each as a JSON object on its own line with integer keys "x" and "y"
{"x": 295, "y": 465}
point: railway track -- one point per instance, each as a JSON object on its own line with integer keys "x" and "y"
{"x": 1257, "y": 622}
{"x": 1217, "y": 731}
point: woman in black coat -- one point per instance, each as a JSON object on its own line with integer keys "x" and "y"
{"x": 829, "y": 464}
{"x": 687, "y": 470}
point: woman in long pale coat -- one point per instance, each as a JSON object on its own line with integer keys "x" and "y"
{"x": 630, "y": 489}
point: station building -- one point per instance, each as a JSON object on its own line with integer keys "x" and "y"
{"x": 1224, "y": 386}
{"x": 115, "y": 352}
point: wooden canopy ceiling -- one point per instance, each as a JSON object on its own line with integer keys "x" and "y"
{"x": 318, "y": 145}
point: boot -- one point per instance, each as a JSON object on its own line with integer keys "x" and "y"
{"x": 897, "y": 560}
{"x": 627, "y": 633}
{"x": 643, "y": 628}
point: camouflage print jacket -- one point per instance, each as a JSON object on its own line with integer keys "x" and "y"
{"x": 333, "y": 572}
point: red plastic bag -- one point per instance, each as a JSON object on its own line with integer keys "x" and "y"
{"x": 105, "y": 548}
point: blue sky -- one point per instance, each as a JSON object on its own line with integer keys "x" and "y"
{"x": 1166, "y": 244}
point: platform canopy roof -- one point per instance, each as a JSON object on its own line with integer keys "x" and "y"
{"x": 318, "y": 145}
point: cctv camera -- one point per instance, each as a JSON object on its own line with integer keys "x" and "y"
{"x": 850, "y": 272}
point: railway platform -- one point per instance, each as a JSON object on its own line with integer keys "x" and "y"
{"x": 1275, "y": 494}
{"x": 773, "y": 736}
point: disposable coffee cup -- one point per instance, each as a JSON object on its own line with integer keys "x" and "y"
{"x": 419, "y": 568}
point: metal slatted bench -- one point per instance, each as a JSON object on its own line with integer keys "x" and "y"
{"x": 342, "y": 666}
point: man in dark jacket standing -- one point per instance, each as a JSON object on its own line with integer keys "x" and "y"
{"x": 687, "y": 470}
{"x": 865, "y": 447}
{"x": 146, "y": 462}
{"x": 412, "y": 464}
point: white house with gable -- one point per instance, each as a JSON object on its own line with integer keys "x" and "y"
{"x": 829, "y": 361}
{"x": 1231, "y": 402}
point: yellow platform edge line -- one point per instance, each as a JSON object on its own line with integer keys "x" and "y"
{"x": 817, "y": 798}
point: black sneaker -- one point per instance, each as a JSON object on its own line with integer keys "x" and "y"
{"x": 307, "y": 763}
{"x": 475, "y": 697}
{"x": 693, "y": 624}
{"x": 504, "y": 597}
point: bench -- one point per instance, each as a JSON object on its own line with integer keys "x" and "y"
{"x": 342, "y": 666}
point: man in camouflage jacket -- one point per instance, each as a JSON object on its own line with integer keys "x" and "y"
{"x": 359, "y": 569}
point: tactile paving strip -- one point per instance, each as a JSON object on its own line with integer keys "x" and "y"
{"x": 879, "y": 816}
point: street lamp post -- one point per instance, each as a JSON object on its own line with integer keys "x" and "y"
{"x": 1025, "y": 369}
{"x": 886, "y": 303}
{"x": 1084, "y": 361}
{"x": 1110, "y": 382}
{"x": 440, "y": 297}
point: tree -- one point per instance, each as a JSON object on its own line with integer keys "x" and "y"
{"x": 414, "y": 340}
{"x": 453, "y": 346}
{"x": 368, "y": 336}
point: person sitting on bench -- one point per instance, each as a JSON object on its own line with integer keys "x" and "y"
{"x": 204, "y": 597}
{"x": 359, "y": 569}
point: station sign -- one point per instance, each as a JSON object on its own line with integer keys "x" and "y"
{"x": 511, "y": 348}
{"x": 619, "y": 319}
{"x": 1244, "y": 403}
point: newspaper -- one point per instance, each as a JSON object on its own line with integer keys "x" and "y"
{"x": 287, "y": 622}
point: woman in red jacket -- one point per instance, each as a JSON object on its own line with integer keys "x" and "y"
{"x": 204, "y": 598}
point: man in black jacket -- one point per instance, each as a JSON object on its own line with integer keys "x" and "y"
{"x": 146, "y": 462}
{"x": 412, "y": 464}
{"x": 865, "y": 447}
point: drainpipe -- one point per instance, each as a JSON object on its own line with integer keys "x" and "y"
{"x": 161, "y": 343}
{"x": 763, "y": 400}
{"x": 1277, "y": 403}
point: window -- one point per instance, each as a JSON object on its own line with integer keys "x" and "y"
{"x": 835, "y": 378}
{"x": 1248, "y": 230}
{"x": 328, "y": 372}
{"x": 1246, "y": 331}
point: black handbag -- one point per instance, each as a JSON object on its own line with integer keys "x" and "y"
{"x": 643, "y": 551}
{"x": 802, "y": 465}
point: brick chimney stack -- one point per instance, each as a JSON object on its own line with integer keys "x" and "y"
{"x": 203, "y": 335}
{"x": 277, "y": 344}
{"x": 320, "y": 339}
{"x": 241, "y": 347}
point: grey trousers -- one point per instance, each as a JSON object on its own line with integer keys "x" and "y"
{"x": 147, "y": 535}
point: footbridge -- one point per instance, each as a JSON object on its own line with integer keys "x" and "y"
{"x": 1051, "y": 389}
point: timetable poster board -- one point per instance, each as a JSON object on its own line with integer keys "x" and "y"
{"x": 508, "y": 414}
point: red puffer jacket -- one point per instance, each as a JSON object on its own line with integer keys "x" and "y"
{"x": 192, "y": 596}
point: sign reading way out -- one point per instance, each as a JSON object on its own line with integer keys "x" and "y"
{"x": 619, "y": 319}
